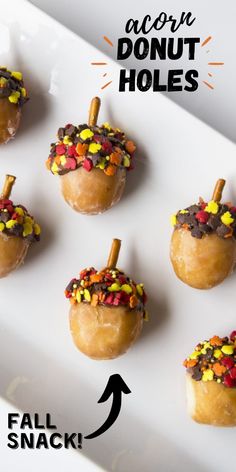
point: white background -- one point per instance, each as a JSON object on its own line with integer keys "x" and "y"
{"x": 92, "y": 19}
{"x": 43, "y": 369}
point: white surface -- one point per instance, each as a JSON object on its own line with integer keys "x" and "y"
{"x": 179, "y": 157}
{"x": 92, "y": 19}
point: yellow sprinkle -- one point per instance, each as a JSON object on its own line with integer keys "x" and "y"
{"x": 94, "y": 148}
{"x": 195, "y": 354}
{"x": 28, "y": 228}
{"x": 37, "y": 229}
{"x": 67, "y": 140}
{"x": 217, "y": 353}
{"x": 14, "y": 97}
{"x": 183, "y": 212}
{"x": 212, "y": 207}
{"x": 227, "y": 349}
{"x": 101, "y": 164}
{"x": 54, "y": 168}
{"x": 146, "y": 316}
{"x": 19, "y": 211}
{"x": 126, "y": 161}
{"x": 87, "y": 295}
{"x": 107, "y": 126}
{"x": 2, "y": 226}
{"x": 10, "y": 224}
{"x": 139, "y": 289}
{"x": 126, "y": 288}
{"x": 63, "y": 159}
{"x": 23, "y": 91}
{"x": 173, "y": 220}
{"x": 78, "y": 296}
{"x": 16, "y": 75}
{"x": 227, "y": 218}
{"x": 208, "y": 374}
{"x": 29, "y": 220}
{"x": 86, "y": 133}
{"x": 218, "y": 381}
{"x": 114, "y": 287}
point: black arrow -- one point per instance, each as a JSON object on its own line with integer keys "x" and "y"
{"x": 115, "y": 386}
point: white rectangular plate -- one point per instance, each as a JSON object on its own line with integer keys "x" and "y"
{"x": 178, "y": 158}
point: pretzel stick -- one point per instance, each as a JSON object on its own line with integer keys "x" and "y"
{"x": 217, "y": 194}
{"x": 93, "y": 111}
{"x": 7, "y": 188}
{"x": 114, "y": 254}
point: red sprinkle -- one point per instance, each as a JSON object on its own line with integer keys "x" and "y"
{"x": 202, "y": 216}
{"x": 10, "y": 208}
{"x": 60, "y": 149}
{"x": 228, "y": 362}
{"x": 233, "y": 372}
{"x": 203, "y": 205}
{"x": 228, "y": 381}
{"x": 70, "y": 163}
{"x": 71, "y": 151}
{"x": 107, "y": 147}
{"x": 109, "y": 299}
{"x": 87, "y": 164}
{"x": 233, "y": 336}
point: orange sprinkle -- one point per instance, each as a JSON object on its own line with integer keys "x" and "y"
{"x": 110, "y": 170}
{"x": 130, "y": 147}
{"x": 229, "y": 234}
{"x": 94, "y": 300}
{"x": 133, "y": 301}
{"x": 48, "y": 164}
{"x": 216, "y": 341}
{"x": 190, "y": 363}
{"x": 95, "y": 278}
{"x": 219, "y": 369}
{"x": 115, "y": 158}
{"x": 81, "y": 149}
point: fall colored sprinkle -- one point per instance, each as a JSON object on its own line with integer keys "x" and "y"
{"x": 208, "y": 85}
{"x": 87, "y": 146}
{"x": 12, "y": 87}
{"x": 210, "y": 75}
{"x": 214, "y": 359}
{"x": 108, "y": 40}
{"x": 16, "y": 221}
{"x": 206, "y": 218}
{"x": 206, "y": 41}
{"x": 109, "y": 287}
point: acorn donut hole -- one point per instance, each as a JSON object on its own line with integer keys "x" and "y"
{"x": 107, "y": 309}
{"x": 17, "y": 231}
{"x": 203, "y": 243}
{"x": 92, "y": 162}
{"x": 211, "y": 381}
{"x": 13, "y": 96}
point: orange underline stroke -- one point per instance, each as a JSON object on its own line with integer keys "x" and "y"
{"x": 208, "y": 85}
{"x": 206, "y": 41}
{"x": 99, "y": 63}
{"x": 215, "y": 63}
{"x": 210, "y": 75}
{"x": 108, "y": 40}
{"x": 106, "y": 85}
